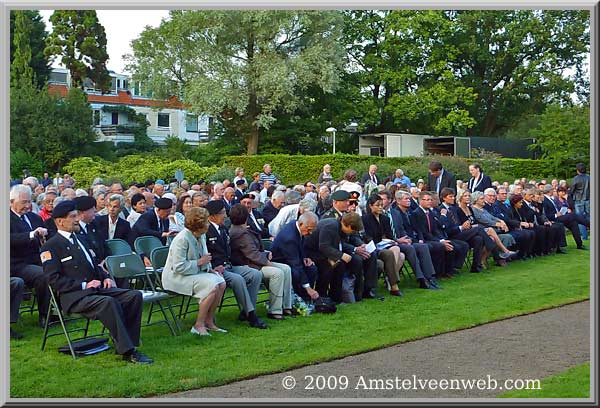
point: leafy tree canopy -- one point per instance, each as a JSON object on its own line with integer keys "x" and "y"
{"x": 37, "y": 42}
{"x": 79, "y": 39}
{"x": 240, "y": 66}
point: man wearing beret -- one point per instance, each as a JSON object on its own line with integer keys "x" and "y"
{"x": 341, "y": 199}
{"x": 240, "y": 189}
{"x": 243, "y": 280}
{"x": 84, "y": 288}
{"x": 154, "y": 222}
{"x": 88, "y": 230}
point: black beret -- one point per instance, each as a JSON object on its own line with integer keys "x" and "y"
{"x": 340, "y": 195}
{"x": 84, "y": 203}
{"x": 63, "y": 209}
{"x": 240, "y": 182}
{"x": 215, "y": 206}
{"x": 251, "y": 196}
{"x": 163, "y": 204}
{"x": 149, "y": 182}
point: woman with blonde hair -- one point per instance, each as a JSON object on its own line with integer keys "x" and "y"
{"x": 188, "y": 271}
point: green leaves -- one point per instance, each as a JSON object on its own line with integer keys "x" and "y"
{"x": 79, "y": 39}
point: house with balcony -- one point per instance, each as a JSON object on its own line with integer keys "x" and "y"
{"x": 166, "y": 117}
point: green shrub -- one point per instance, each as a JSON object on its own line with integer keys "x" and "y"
{"x": 20, "y": 160}
{"x": 299, "y": 169}
{"x": 85, "y": 169}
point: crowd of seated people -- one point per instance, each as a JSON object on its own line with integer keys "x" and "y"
{"x": 331, "y": 239}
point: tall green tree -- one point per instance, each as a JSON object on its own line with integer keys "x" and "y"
{"x": 397, "y": 63}
{"x": 240, "y": 66}
{"x": 50, "y": 129}
{"x": 21, "y": 73}
{"x": 516, "y": 60}
{"x": 80, "y": 40}
{"x": 563, "y": 134}
{"x": 37, "y": 42}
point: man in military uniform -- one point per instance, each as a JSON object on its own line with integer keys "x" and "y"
{"x": 341, "y": 199}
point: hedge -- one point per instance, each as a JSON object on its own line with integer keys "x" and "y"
{"x": 299, "y": 169}
{"x": 137, "y": 168}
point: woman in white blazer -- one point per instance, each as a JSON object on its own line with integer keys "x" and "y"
{"x": 188, "y": 271}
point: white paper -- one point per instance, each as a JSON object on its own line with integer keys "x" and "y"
{"x": 563, "y": 210}
{"x": 370, "y": 247}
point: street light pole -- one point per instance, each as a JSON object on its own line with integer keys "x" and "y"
{"x": 332, "y": 130}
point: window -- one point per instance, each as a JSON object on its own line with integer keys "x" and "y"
{"x": 191, "y": 123}
{"x": 96, "y": 117}
{"x": 163, "y": 120}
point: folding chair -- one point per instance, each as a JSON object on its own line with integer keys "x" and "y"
{"x": 118, "y": 247}
{"x": 64, "y": 319}
{"x": 158, "y": 258}
{"x": 469, "y": 258}
{"x": 29, "y": 303}
{"x": 144, "y": 245}
{"x": 130, "y": 266}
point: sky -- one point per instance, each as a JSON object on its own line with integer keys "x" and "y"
{"x": 121, "y": 27}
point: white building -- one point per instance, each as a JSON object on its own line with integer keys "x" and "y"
{"x": 166, "y": 118}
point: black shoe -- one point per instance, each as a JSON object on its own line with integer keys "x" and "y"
{"x": 423, "y": 283}
{"x": 583, "y": 248}
{"x": 476, "y": 269}
{"x": 289, "y": 313}
{"x": 242, "y": 317}
{"x": 434, "y": 284}
{"x": 560, "y": 251}
{"x": 395, "y": 293}
{"x": 259, "y": 324}
{"x": 369, "y": 295}
{"x": 15, "y": 335}
{"x": 275, "y": 316}
{"x": 137, "y": 357}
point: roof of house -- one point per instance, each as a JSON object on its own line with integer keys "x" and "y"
{"x": 121, "y": 98}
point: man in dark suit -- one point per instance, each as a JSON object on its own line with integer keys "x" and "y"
{"x": 439, "y": 178}
{"x": 437, "y": 250}
{"x": 153, "y": 222}
{"x": 85, "y": 288}
{"x": 495, "y": 204}
{"x": 111, "y": 226}
{"x": 288, "y": 248}
{"x": 548, "y": 236}
{"x": 243, "y": 280}
{"x": 254, "y": 219}
{"x": 340, "y": 199}
{"x": 429, "y": 227}
{"x": 478, "y": 181}
{"x": 371, "y": 175}
{"x": 272, "y": 207}
{"x": 571, "y": 220}
{"x": 17, "y": 287}
{"x": 229, "y": 199}
{"x": 26, "y": 235}
{"x": 475, "y": 236}
{"x": 333, "y": 256}
{"x": 417, "y": 254}
{"x": 88, "y": 230}
{"x": 240, "y": 189}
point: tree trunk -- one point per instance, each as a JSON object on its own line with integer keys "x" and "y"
{"x": 252, "y": 147}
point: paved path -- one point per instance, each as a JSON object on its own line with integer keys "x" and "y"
{"x": 525, "y": 347}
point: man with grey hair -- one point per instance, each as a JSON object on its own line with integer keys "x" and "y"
{"x": 68, "y": 193}
{"x": 33, "y": 183}
{"x": 27, "y": 234}
{"x": 289, "y": 213}
{"x": 273, "y": 206}
{"x": 288, "y": 248}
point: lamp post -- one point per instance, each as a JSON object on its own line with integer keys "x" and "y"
{"x": 332, "y": 130}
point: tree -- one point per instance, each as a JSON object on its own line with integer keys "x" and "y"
{"x": 396, "y": 62}
{"x": 516, "y": 60}
{"x": 21, "y": 73}
{"x": 37, "y": 42}
{"x": 50, "y": 129}
{"x": 563, "y": 134}
{"x": 240, "y": 66}
{"x": 79, "y": 39}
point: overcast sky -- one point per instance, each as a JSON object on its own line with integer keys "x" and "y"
{"x": 121, "y": 27}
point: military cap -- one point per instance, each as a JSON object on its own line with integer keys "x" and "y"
{"x": 340, "y": 195}
{"x": 63, "y": 209}
{"x": 163, "y": 203}
{"x": 215, "y": 206}
{"x": 84, "y": 203}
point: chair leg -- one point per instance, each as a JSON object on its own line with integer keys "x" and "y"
{"x": 162, "y": 309}
{"x": 175, "y": 320}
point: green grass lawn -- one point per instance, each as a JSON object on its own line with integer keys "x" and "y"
{"x": 188, "y": 362}
{"x": 573, "y": 383}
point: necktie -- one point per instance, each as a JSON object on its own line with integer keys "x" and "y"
{"x": 82, "y": 249}
{"x": 25, "y": 221}
{"x": 373, "y": 178}
{"x": 389, "y": 214}
{"x": 452, "y": 217}
{"x": 160, "y": 226}
{"x": 437, "y": 184}
{"x": 83, "y": 229}
{"x": 428, "y": 221}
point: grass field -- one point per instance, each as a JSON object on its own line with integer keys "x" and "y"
{"x": 188, "y": 362}
{"x": 573, "y": 383}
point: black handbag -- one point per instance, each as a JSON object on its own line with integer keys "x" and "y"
{"x": 87, "y": 346}
{"x": 324, "y": 305}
